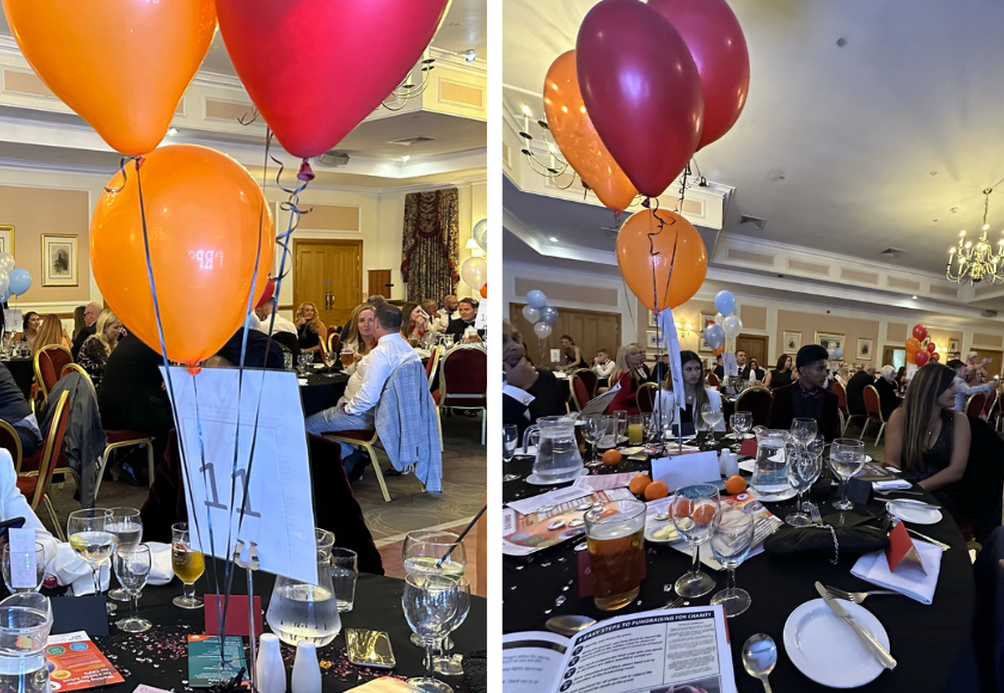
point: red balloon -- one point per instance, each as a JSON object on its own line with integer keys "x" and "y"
{"x": 316, "y": 68}
{"x": 715, "y": 39}
{"x": 266, "y": 294}
{"x": 921, "y": 358}
{"x": 936, "y": 356}
{"x": 919, "y": 331}
{"x": 932, "y": 347}
{"x": 641, "y": 90}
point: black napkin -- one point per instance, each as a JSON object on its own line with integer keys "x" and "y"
{"x": 817, "y": 542}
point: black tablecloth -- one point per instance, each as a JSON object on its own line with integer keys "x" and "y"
{"x": 931, "y": 643}
{"x": 322, "y": 391}
{"x": 23, "y": 372}
{"x": 159, "y": 656}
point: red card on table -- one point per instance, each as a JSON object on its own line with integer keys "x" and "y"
{"x": 237, "y": 615}
{"x": 901, "y": 550}
{"x": 748, "y": 447}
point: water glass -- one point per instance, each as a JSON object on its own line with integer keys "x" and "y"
{"x": 593, "y": 429}
{"x": 344, "y": 571}
{"x": 39, "y": 569}
{"x": 510, "y": 439}
{"x": 127, "y": 525}
{"x": 287, "y": 360}
{"x": 621, "y": 419}
{"x": 132, "y": 568}
{"x": 730, "y": 545}
{"x": 430, "y": 604}
{"x": 742, "y": 423}
{"x": 423, "y": 549}
{"x": 847, "y": 456}
{"x": 711, "y": 417}
{"x": 90, "y": 539}
{"x": 803, "y": 471}
{"x": 803, "y": 430}
{"x": 695, "y": 514}
{"x": 188, "y": 564}
{"x": 444, "y": 663}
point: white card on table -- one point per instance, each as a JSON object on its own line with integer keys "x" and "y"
{"x": 481, "y": 319}
{"x": 684, "y": 470}
{"x": 278, "y": 512}
{"x": 12, "y": 320}
{"x": 555, "y": 355}
{"x": 21, "y": 543}
{"x": 729, "y": 364}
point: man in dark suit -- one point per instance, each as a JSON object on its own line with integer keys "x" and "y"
{"x": 856, "y": 391}
{"x": 468, "y": 310}
{"x": 15, "y": 410}
{"x": 91, "y": 313}
{"x": 527, "y": 393}
{"x": 719, "y": 370}
{"x": 808, "y": 397}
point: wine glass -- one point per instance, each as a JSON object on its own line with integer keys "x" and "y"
{"x": 695, "y": 512}
{"x": 510, "y": 439}
{"x": 730, "y": 544}
{"x": 444, "y": 663}
{"x": 429, "y": 603}
{"x": 741, "y": 422}
{"x": 421, "y": 552}
{"x": 712, "y": 417}
{"x": 803, "y": 430}
{"x": 127, "y": 525}
{"x": 39, "y": 569}
{"x": 620, "y": 431}
{"x": 90, "y": 539}
{"x": 593, "y": 430}
{"x": 330, "y": 358}
{"x": 188, "y": 564}
{"x": 847, "y": 456}
{"x": 803, "y": 470}
{"x": 132, "y": 568}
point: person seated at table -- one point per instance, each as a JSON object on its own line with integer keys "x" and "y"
{"x": 309, "y": 327}
{"x": 604, "y": 367}
{"x": 255, "y": 356}
{"x": 660, "y": 370}
{"x": 963, "y": 390}
{"x": 50, "y": 332}
{"x": 90, "y": 317}
{"x": 357, "y": 407}
{"x": 886, "y": 386}
{"x": 975, "y": 365}
{"x": 359, "y": 338}
{"x": 96, "y": 349}
{"x": 926, "y": 438}
{"x": 744, "y": 369}
{"x": 572, "y": 355}
{"x": 782, "y": 374}
{"x": 808, "y": 396}
{"x": 527, "y": 393}
{"x": 373, "y": 301}
{"x": 431, "y": 309}
{"x": 462, "y": 328}
{"x": 696, "y": 394}
{"x": 14, "y": 504}
{"x": 901, "y": 380}
{"x": 15, "y": 410}
{"x": 755, "y": 372}
{"x": 855, "y": 391}
{"x": 719, "y": 369}
{"x": 30, "y": 324}
{"x": 279, "y": 323}
{"x": 446, "y": 314}
{"x": 631, "y": 372}
{"x": 416, "y": 322}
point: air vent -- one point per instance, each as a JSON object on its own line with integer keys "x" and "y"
{"x": 893, "y": 252}
{"x": 757, "y": 221}
{"x": 409, "y": 141}
{"x": 333, "y": 158}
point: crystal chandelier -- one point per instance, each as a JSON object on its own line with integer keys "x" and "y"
{"x": 976, "y": 262}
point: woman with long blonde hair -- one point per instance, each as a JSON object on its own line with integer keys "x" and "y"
{"x": 309, "y": 328}
{"x": 359, "y": 338}
{"x": 631, "y": 372}
{"x": 50, "y": 332}
{"x": 98, "y": 347}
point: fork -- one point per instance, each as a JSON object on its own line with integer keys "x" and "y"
{"x": 856, "y": 597}
{"x": 675, "y": 604}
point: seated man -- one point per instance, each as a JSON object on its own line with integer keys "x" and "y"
{"x": 856, "y": 391}
{"x": 468, "y": 310}
{"x": 281, "y": 324}
{"x": 603, "y": 366}
{"x": 962, "y": 389}
{"x": 15, "y": 410}
{"x": 443, "y": 316}
{"x": 91, "y": 313}
{"x": 808, "y": 397}
{"x": 357, "y": 407}
{"x": 527, "y": 394}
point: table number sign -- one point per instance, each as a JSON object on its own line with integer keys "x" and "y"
{"x": 276, "y": 498}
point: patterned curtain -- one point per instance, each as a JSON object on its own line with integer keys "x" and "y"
{"x": 430, "y": 248}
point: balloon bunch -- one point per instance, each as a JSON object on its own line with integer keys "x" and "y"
{"x": 14, "y": 281}
{"x": 474, "y": 271}
{"x": 833, "y": 351}
{"x": 727, "y": 324}
{"x": 539, "y": 313}
{"x": 919, "y": 348}
{"x": 647, "y": 85}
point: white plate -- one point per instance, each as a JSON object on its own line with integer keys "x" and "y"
{"x": 824, "y": 648}
{"x": 914, "y": 513}
{"x": 651, "y": 529}
{"x": 535, "y": 480}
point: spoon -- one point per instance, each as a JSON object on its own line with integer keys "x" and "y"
{"x": 569, "y": 624}
{"x": 759, "y": 657}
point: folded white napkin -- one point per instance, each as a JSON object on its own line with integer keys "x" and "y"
{"x": 908, "y": 579}
{"x": 70, "y": 569}
{"x": 891, "y": 484}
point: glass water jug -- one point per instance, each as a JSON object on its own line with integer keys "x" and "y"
{"x": 301, "y": 612}
{"x": 770, "y": 472}
{"x": 25, "y": 621}
{"x": 558, "y": 459}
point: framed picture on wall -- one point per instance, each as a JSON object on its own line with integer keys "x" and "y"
{"x": 866, "y": 348}
{"x": 707, "y": 320}
{"x": 653, "y": 322}
{"x": 953, "y": 344}
{"x": 6, "y": 239}
{"x": 59, "y": 260}
{"x": 830, "y": 341}
{"x": 792, "y": 342}
{"x": 652, "y": 340}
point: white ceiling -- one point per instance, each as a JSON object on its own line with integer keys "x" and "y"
{"x": 886, "y": 141}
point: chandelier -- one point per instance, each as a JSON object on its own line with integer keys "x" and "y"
{"x": 554, "y": 165}
{"x": 976, "y": 262}
{"x": 408, "y": 89}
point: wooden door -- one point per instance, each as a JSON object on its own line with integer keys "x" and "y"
{"x": 994, "y": 367}
{"x": 379, "y": 283}
{"x": 329, "y": 274}
{"x": 590, "y": 330}
{"x": 755, "y": 347}
{"x": 892, "y": 356}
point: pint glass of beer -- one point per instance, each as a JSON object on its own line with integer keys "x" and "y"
{"x": 616, "y": 537}
{"x": 346, "y": 357}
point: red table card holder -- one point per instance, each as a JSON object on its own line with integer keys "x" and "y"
{"x": 237, "y": 615}
{"x": 748, "y": 447}
{"x": 901, "y": 550}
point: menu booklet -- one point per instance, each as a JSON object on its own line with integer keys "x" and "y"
{"x": 75, "y": 663}
{"x": 649, "y": 651}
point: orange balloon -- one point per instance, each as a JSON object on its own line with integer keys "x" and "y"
{"x": 912, "y": 345}
{"x": 675, "y": 251}
{"x": 577, "y": 138}
{"x": 719, "y": 351}
{"x": 484, "y": 291}
{"x": 206, "y": 221}
{"x": 122, "y": 66}
{"x": 910, "y": 357}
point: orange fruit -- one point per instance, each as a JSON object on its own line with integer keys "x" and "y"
{"x": 612, "y": 457}
{"x": 657, "y": 489}
{"x": 639, "y": 483}
{"x": 682, "y": 507}
{"x": 735, "y": 485}
{"x": 704, "y": 514}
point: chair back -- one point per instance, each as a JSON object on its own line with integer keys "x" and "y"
{"x": 756, "y": 400}
{"x": 290, "y": 341}
{"x": 583, "y": 387}
{"x": 872, "y": 403}
{"x": 463, "y": 377}
{"x": 991, "y": 404}
{"x": 77, "y": 368}
{"x": 51, "y": 447}
{"x": 645, "y": 397}
{"x": 11, "y": 442}
{"x": 49, "y": 362}
{"x": 841, "y": 393}
{"x": 713, "y": 380}
{"x": 432, "y": 363}
{"x": 334, "y": 341}
{"x": 974, "y": 405}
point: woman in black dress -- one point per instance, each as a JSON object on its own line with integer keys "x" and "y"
{"x": 309, "y": 328}
{"x": 572, "y": 355}
{"x": 782, "y": 375}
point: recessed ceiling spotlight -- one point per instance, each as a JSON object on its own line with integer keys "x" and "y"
{"x": 172, "y": 131}
{"x": 470, "y": 56}
{"x": 914, "y": 298}
{"x": 842, "y": 41}
{"x": 553, "y": 239}
{"x": 406, "y": 158}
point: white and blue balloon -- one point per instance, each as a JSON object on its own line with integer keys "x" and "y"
{"x": 539, "y": 313}
{"x": 727, "y": 325}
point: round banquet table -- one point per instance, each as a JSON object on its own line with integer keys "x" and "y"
{"x": 23, "y": 372}
{"x": 322, "y": 391}
{"x": 159, "y": 656}
{"x": 932, "y": 644}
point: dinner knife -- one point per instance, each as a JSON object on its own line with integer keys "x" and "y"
{"x": 880, "y": 653}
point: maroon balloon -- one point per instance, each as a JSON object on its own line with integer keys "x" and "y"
{"x": 715, "y": 39}
{"x": 921, "y": 357}
{"x": 641, "y": 89}
{"x": 936, "y": 356}
{"x": 932, "y": 347}
{"x": 920, "y": 331}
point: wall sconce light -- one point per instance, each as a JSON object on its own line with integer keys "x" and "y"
{"x": 685, "y": 330}
{"x": 475, "y": 249}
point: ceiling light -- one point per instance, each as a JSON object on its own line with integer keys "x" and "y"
{"x": 914, "y": 298}
{"x": 406, "y": 158}
{"x": 553, "y": 239}
{"x": 408, "y": 89}
{"x": 977, "y": 262}
{"x": 470, "y": 56}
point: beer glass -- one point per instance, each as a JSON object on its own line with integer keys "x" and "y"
{"x": 347, "y": 357}
{"x": 188, "y": 564}
{"x": 615, "y": 533}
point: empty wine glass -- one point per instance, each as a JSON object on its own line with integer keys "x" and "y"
{"x": 127, "y": 525}
{"x": 429, "y": 603}
{"x": 803, "y": 430}
{"x": 330, "y": 359}
{"x": 593, "y": 430}
{"x": 803, "y": 470}
{"x": 711, "y": 417}
{"x": 132, "y": 568}
{"x": 730, "y": 544}
{"x": 39, "y": 570}
{"x": 620, "y": 433}
{"x": 510, "y": 439}
{"x": 444, "y": 663}
{"x": 695, "y": 512}
{"x": 742, "y": 423}
{"x": 90, "y": 539}
{"x": 847, "y": 456}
